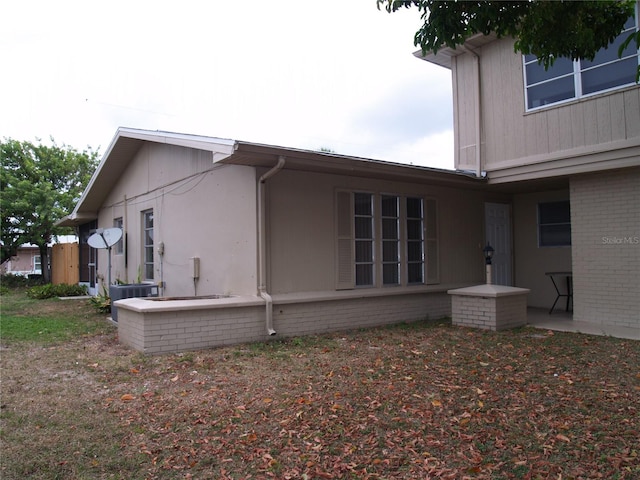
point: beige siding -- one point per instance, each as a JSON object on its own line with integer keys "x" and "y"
{"x": 511, "y": 136}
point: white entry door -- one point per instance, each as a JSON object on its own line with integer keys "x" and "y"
{"x": 498, "y": 227}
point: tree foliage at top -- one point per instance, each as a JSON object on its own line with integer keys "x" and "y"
{"x": 546, "y": 29}
{"x": 39, "y": 184}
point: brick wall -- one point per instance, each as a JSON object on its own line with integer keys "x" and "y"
{"x": 335, "y": 315}
{"x": 605, "y": 231}
{"x": 158, "y": 331}
{"x": 489, "y": 313}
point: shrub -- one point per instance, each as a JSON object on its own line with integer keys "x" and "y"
{"x": 10, "y": 280}
{"x": 62, "y": 290}
{"x": 102, "y": 302}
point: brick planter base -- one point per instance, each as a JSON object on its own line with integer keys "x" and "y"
{"x": 490, "y": 307}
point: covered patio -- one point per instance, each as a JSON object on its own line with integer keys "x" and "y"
{"x": 562, "y": 321}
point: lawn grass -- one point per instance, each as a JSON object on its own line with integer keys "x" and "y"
{"x": 425, "y": 400}
{"x": 25, "y": 319}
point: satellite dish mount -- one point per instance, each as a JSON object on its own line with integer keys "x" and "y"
{"x": 105, "y": 238}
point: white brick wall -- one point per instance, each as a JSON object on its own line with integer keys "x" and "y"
{"x": 191, "y": 329}
{"x": 490, "y": 313}
{"x": 605, "y": 237}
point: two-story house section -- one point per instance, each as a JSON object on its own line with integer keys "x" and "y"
{"x": 565, "y": 144}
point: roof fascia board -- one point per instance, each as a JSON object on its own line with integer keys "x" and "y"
{"x": 219, "y": 147}
{"x": 445, "y": 54}
{"x": 308, "y": 160}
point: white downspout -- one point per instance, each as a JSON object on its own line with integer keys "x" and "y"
{"x": 476, "y": 65}
{"x": 262, "y": 245}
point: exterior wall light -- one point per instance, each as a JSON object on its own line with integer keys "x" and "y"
{"x": 488, "y": 254}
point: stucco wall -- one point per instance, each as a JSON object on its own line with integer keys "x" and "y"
{"x": 531, "y": 260}
{"x": 301, "y": 228}
{"x": 605, "y": 229}
{"x": 199, "y": 211}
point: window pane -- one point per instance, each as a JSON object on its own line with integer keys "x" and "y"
{"x": 362, "y": 203}
{"x": 148, "y": 271}
{"x": 364, "y": 251}
{"x": 416, "y": 273}
{"x": 389, "y": 206}
{"x": 555, "y": 235}
{"x": 390, "y": 251}
{"x": 390, "y": 274}
{"x": 389, "y": 228}
{"x": 364, "y": 229}
{"x": 536, "y": 73}
{"x": 610, "y": 53}
{"x": 364, "y": 274}
{"x": 414, "y": 251}
{"x": 551, "y": 92}
{"x": 414, "y": 229}
{"x": 414, "y": 207}
{"x": 554, "y": 224}
{"x": 554, "y": 212}
{"x": 609, "y": 75}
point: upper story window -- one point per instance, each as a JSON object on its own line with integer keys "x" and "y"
{"x": 567, "y": 80}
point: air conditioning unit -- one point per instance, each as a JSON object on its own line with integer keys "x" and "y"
{"x": 134, "y": 290}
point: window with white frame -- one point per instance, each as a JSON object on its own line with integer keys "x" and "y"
{"x": 390, "y": 213}
{"x": 147, "y": 243}
{"x": 415, "y": 240}
{"x": 118, "y": 248}
{"x": 381, "y": 240}
{"x": 363, "y": 222}
{"x": 567, "y": 80}
{"x": 37, "y": 264}
{"x": 554, "y": 224}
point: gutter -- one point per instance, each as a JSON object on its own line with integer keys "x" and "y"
{"x": 262, "y": 245}
{"x": 476, "y": 67}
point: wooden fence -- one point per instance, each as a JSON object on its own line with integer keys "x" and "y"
{"x": 65, "y": 264}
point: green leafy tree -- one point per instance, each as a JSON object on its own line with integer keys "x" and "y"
{"x": 546, "y": 29}
{"x": 39, "y": 184}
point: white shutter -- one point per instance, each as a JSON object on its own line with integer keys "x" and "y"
{"x": 345, "y": 261}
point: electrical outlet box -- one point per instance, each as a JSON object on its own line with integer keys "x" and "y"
{"x": 194, "y": 265}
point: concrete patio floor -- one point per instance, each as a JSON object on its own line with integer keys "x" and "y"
{"x": 562, "y": 321}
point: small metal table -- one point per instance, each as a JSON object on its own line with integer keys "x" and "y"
{"x": 569, "y": 294}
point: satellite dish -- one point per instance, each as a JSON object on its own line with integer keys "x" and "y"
{"x": 105, "y": 238}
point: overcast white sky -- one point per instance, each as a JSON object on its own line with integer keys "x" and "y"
{"x": 304, "y": 74}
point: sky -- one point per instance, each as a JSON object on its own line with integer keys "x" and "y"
{"x": 336, "y": 75}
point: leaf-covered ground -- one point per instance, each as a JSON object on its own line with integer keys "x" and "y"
{"x": 421, "y": 401}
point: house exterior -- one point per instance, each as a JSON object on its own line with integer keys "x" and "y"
{"x": 564, "y": 145}
{"x": 25, "y": 262}
{"x": 288, "y": 240}
{"x": 247, "y": 240}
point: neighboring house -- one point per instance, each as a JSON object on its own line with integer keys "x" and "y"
{"x": 564, "y": 146}
{"x": 25, "y": 262}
